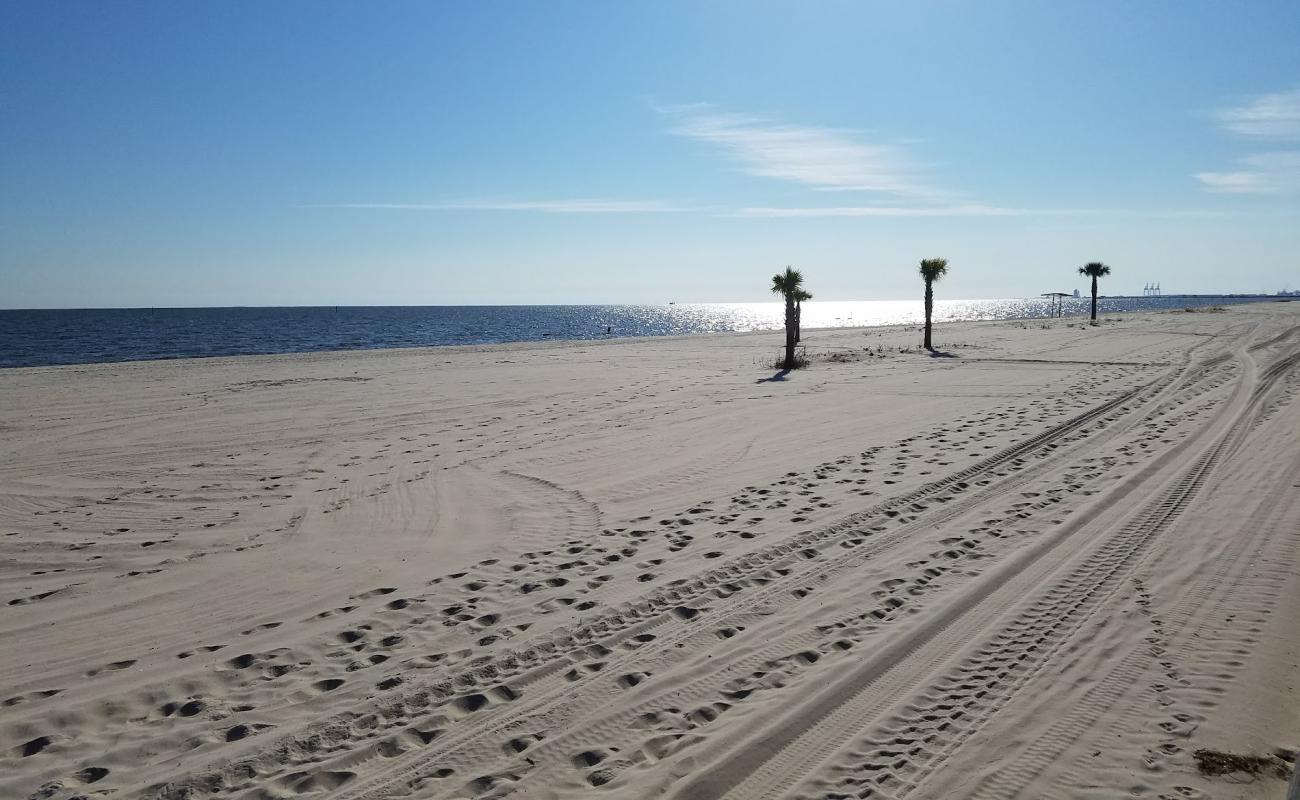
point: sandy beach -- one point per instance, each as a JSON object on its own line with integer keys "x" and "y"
{"x": 1053, "y": 560}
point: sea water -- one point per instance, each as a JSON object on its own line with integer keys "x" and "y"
{"x": 78, "y": 336}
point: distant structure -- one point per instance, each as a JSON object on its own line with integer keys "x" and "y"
{"x": 1151, "y": 290}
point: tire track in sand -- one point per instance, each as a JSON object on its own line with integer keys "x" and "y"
{"x": 983, "y": 682}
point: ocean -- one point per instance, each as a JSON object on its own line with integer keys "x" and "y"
{"x": 33, "y": 338}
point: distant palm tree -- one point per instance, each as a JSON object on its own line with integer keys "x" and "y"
{"x": 932, "y": 269}
{"x": 789, "y": 284}
{"x": 799, "y": 297}
{"x": 1094, "y": 270}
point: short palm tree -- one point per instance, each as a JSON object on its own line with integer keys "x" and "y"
{"x": 799, "y": 297}
{"x": 789, "y": 284}
{"x": 932, "y": 269}
{"x": 1094, "y": 270}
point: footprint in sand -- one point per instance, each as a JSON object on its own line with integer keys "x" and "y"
{"x": 116, "y": 665}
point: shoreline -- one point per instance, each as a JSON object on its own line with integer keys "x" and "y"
{"x": 531, "y": 344}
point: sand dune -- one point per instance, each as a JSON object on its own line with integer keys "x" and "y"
{"x": 1055, "y": 563}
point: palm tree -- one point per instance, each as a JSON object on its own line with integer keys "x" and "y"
{"x": 932, "y": 269}
{"x": 788, "y": 284}
{"x": 1094, "y": 270}
{"x": 799, "y": 297}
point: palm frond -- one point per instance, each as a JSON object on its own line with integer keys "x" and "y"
{"x": 932, "y": 269}
{"x": 787, "y": 282}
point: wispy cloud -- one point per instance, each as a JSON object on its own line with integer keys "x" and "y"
{"x": 1268, "y": 116}
{"x": 579, "y": 206}
{"x": 827, "y": 159}
{"x": 969, "y": 210}
{"x": 599, "y": 206}
{"x": 1261, "y": 173}
{"x": 881, "y": 211}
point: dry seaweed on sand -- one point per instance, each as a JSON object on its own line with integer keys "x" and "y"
{"x": 1216, "y": 762}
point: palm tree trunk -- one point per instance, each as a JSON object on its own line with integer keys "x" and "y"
{"x": 1094, "y": 298}
{"x": 929, "y": 310}
{"x": 798, "y": 321}
{"x": 789, "y": 332}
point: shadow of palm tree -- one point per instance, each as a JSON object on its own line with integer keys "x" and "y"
{"x": 780, "y": 376}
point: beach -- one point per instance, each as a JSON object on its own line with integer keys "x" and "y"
{"x": 1047, "y": 560}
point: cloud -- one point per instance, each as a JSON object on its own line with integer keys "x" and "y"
{"x": 1274, "y": 116}
{"x": 605, "y": 206}
{"x": 580, "y": 206}
{"x": 1261, "y": 173}
{"x": 827, "y": 159}
{"x": 972, "y": 210}
{"x": 882, "y": 211}
{"x": 1269, "y": 116}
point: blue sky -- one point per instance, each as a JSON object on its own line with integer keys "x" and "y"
{"x": 285, "y": 153}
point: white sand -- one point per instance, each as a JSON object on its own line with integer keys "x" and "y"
{"x": 1052, "y": 565}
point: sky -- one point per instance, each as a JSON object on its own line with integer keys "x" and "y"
{"x": 437, "y": 153}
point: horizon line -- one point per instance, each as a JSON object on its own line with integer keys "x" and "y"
{"x": 1036, "y": 296}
